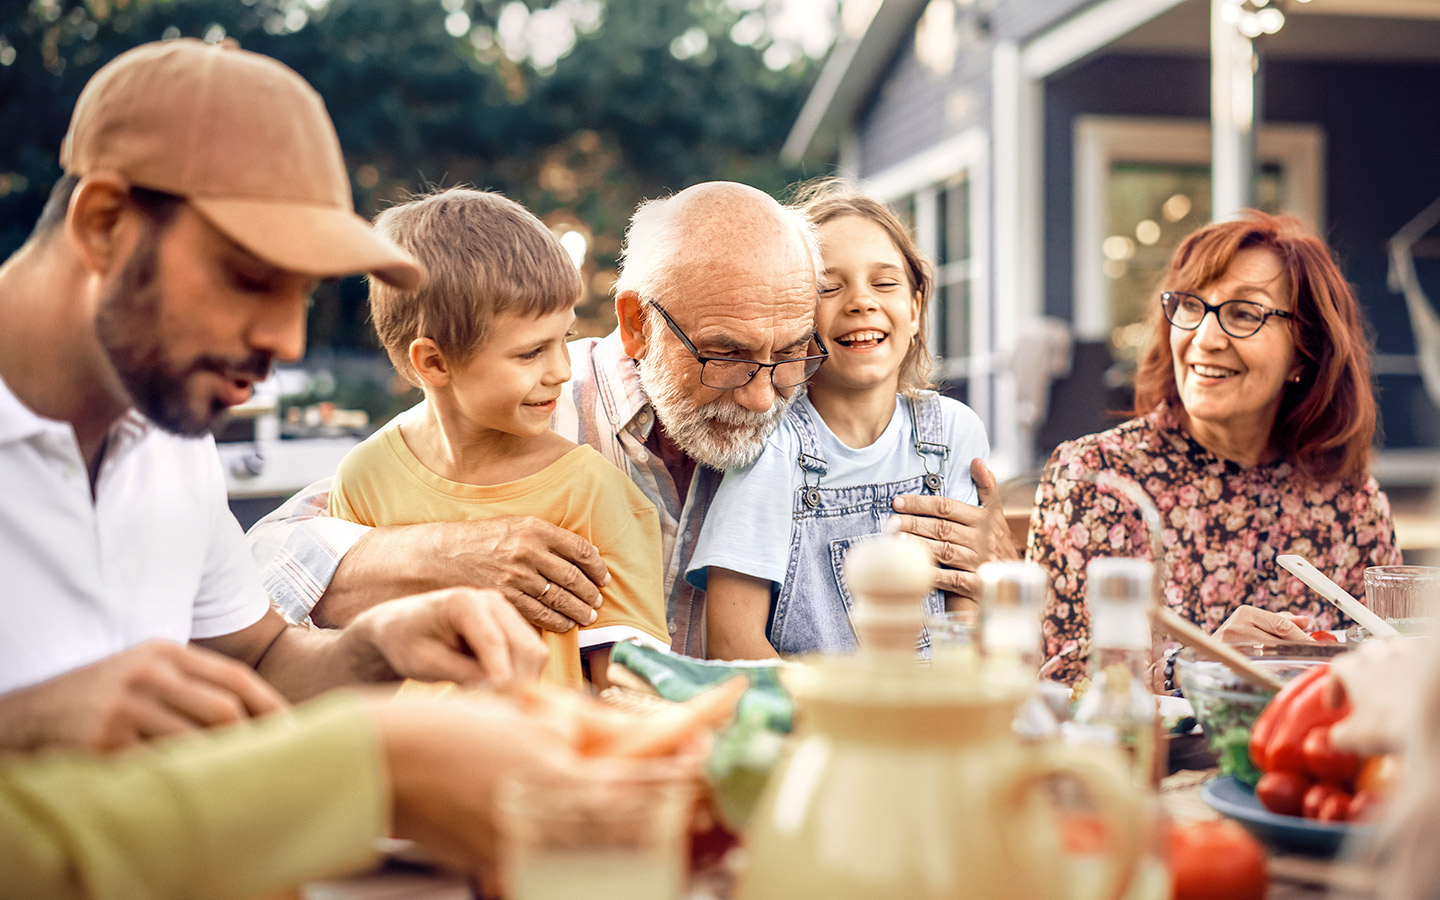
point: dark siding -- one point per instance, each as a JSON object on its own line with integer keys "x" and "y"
{"x": 1382, "y": 128}
{"x": 1020, "y": 19}
{"x": 911, "y": 110}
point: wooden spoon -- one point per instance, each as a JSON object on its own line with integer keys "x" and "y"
{"x": 1191, "y": 635}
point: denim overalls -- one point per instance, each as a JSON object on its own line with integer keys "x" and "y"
{"x": 812, "y": 612}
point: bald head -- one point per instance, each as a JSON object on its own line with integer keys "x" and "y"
{"x": 716, "y": 226}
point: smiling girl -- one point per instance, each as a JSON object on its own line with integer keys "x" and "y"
{"x": 484, "y": 338}
{"x": 770, "y": 554}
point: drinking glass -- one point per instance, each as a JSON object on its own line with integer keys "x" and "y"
{"x": 1403, "y": 594}
{"x": 615, "y": 829}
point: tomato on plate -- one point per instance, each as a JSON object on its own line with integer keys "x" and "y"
{"x": 1215, "y": 860}
{"x": 1324, "y": 761}
{"x": 1335, "y": 808}
{"x": 1283, "y": 792}
{"x": 1317, "y": 795}
{"x": 1324, "y": 637}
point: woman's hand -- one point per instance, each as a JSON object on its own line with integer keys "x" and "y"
{"x": 1251, "y": 624}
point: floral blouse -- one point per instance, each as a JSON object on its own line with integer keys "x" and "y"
{"x": 1223, "y": 525}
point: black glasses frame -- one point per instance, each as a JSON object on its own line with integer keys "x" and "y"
{"x": 1170, "y": 300}
{"x": 704, "y": 360}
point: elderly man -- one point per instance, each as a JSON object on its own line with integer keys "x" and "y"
{"x": 204, "y": 197}
{"x": 738, "y": 274}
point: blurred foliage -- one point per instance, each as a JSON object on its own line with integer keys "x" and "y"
{"x": 652, "y": 96}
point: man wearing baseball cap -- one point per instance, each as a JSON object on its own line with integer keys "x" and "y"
{"x": 204, "y": 196}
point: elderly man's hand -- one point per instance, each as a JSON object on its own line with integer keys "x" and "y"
{"x": 1249, "y": 624}
{"x": 154, "y": 690}
{"x": 961, "y": 536}
{"x": 463, "y": 635}
{"x": 551, "y": 576}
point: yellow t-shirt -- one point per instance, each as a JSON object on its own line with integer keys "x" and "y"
{"x": 382, "y": 482}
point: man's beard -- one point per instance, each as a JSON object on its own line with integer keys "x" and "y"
{"x": 128, "y": 326}
{"x": 721, "y": 434}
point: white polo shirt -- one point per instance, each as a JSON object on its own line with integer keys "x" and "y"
{"x": 156, "y": 554}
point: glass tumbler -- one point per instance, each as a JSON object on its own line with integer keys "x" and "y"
{"x": 1403, "y": 595}
{"x": 614, "y": 829}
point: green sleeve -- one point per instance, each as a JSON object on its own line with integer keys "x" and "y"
{"x": 232, "y": 813}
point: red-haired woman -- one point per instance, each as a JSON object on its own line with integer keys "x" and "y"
{"x": 1253, "y": 430}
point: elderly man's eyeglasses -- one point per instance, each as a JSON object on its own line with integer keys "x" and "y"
{"x": 1238, "y": 318}
{"x": 724, "y": 373}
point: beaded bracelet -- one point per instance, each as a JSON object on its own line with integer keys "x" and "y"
{"x": 1169, "y": 670}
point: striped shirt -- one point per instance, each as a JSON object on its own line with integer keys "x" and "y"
{"x": 298, "y": 547}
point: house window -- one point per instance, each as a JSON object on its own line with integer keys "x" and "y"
{"x": 939, "y": 217}
{"x": 1152, "y": 207}
{"x": 1143, "y": 184}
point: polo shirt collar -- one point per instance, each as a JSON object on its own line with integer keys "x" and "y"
{"x": 19, "y": 422}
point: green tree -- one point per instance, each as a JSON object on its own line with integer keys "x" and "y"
{"x": 651, "y": 96}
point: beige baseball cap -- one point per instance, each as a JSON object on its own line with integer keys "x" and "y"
{"x": 246, "y": 141}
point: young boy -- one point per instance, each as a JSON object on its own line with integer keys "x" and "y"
{"x": 484, "y": 338}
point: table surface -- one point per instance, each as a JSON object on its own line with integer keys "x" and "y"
{"x": 1292, "y": 876}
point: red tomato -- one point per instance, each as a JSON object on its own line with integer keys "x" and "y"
{"x": 1335, "y": 808}
{"x": 1316, "y": 796}
{"x": 1215, "y": 860}
{"x": 1324, "y": 637}
{"x": 1283, "y": 792}
{"x": 1324, "y": 761}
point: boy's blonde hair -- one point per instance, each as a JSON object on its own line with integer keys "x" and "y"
{"x": 483, "y": 255}
{"x": 825, "y": 199}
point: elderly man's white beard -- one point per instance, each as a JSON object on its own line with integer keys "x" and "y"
{"x": 722, "y": 434}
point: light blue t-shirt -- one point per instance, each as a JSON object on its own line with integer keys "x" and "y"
{"x": 747, "y": 528}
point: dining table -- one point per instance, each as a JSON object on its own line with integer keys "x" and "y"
{"x": 1292, "y": 876}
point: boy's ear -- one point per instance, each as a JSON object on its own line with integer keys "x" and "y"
{"x": 429, "y": 362}
{"x": 96, "y": 222}
{"x": 632, "y": 323}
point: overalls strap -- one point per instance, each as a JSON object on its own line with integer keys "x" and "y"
{"x": 928, "y": 424}
{"x": 812, "y": 463}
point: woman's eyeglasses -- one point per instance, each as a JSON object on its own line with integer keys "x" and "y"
{"x": 1237, "y": 318}
{"x": 724, "y": 373}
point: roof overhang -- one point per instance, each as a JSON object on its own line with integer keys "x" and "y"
{"x": 1391, "y": 31}
{"x": 847, "y": 78}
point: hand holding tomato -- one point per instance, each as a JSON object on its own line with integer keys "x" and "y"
{"x": 1379, "y": 681}
{"x": 1305, "y": 773}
